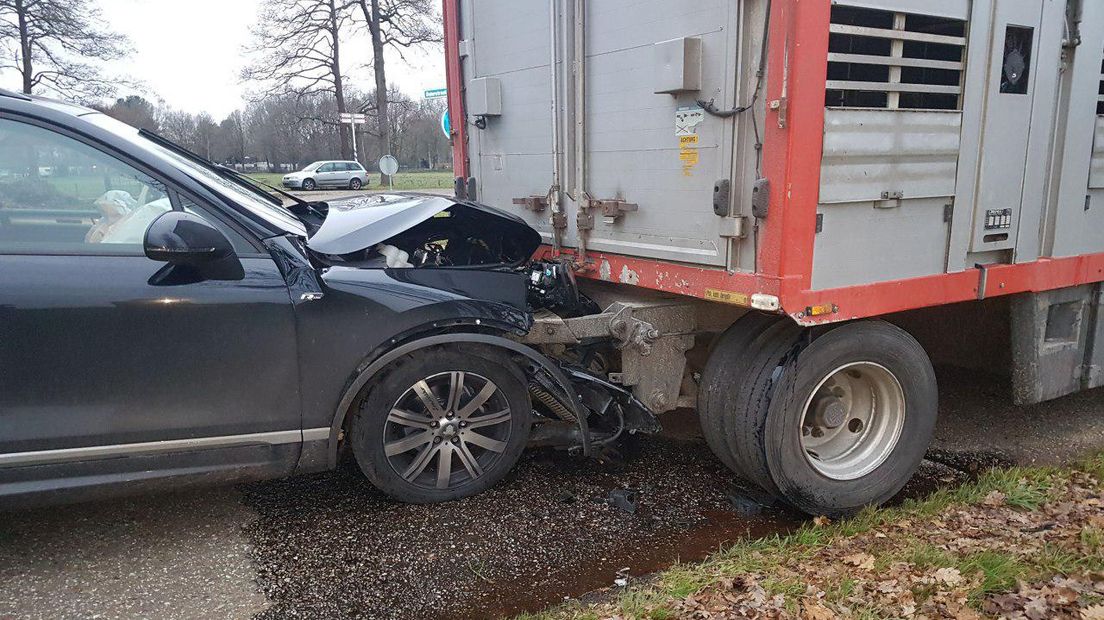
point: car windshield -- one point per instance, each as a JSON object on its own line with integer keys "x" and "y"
{"x": 313, "y": 167}
{"x": 236, "y": 191}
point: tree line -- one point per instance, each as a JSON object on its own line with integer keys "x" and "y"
{"x": 294, "y": 66}
{"x": 281, "y": 132}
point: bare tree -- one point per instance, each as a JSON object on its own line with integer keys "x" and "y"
{"x": 298, "y": 44}
{"x": 57, "y": 46}
{"x": 399, "y": 25}
{"x": 135, "y": 111}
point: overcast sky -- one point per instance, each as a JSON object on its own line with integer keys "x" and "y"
{"x": 189, "y": 54}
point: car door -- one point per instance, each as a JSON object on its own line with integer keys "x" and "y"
{"x": 345, "y": 174}
{"x": 114, "y": 366}
{"x": 327, "y": 175}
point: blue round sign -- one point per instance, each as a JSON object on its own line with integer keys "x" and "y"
{"x": 446, "y": 125}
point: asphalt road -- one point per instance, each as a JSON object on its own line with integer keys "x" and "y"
{"x": 329, "y": 546}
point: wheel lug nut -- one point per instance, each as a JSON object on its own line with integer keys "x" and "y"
{"x": 449, "y": 416}
{"x": 463, "y": 424}
{"x": 436, "y": 440}
{"x": 435, "y": 424}
{"x": 455, "y": 440}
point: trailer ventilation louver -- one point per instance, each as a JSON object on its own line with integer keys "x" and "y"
{"x": 1100, "y": 98}
{"x": 883, "y": 59}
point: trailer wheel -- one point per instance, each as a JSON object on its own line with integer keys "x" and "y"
{"x": 850, "y": 419}
{"x": 746, "y": 402}
{"x": 724, "y": 369}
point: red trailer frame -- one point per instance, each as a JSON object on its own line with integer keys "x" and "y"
{"x": 792, "y": 155}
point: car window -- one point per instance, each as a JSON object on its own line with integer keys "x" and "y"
{"x": 58, "y": 194}
{"x": 326, "y": 168}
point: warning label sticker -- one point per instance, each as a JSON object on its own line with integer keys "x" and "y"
{"x": 687, "y": 120}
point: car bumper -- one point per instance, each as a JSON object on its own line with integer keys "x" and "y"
{"x": 292, "y": 184}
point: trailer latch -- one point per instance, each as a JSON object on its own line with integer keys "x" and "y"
{"x": 533, "y": 203}
{"x": 613, "y": 209}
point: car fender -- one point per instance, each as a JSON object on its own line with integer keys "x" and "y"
{"x": 382, "y": 361}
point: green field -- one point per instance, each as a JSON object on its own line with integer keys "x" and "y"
{"x": 404, "y": 181}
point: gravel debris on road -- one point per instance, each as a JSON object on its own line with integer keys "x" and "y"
{"x": 330, "y": 546}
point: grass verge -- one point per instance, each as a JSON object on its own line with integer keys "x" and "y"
{"x": 404, "y": 181}
{"x": 1026, "y": 542}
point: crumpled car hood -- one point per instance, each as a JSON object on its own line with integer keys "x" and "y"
{"x": 358, "y": 223}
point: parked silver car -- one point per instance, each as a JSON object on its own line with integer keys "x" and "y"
{"x": 347, "y": 174}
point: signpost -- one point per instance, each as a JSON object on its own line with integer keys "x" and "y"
{"x": 436, "y": 93}
{"x": 389, "y": 166}
{"x": 353, "y": 120}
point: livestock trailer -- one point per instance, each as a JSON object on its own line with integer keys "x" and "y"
{"x": 788, "y": 208}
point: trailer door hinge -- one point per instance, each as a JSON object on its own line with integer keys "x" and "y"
{"x": 584, "y": 220}
{"x": 533, "y": 203}
{"x": 820, "y": 223}
{"x": 613, "y": 209}
{"x": 780, "y": 106}
{"x": 1088, "y": 373}
{"x": 559, "y": 221}
{"x": 948, "y": 212}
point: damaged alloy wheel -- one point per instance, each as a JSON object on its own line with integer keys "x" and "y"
{"x": 441, "y": 426}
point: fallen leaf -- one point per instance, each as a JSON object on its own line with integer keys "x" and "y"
{"x": 995, "y": 498}
{"x": 948, "y": 576}
{"x": 816, "y": 611}
{"x": 1096, "y": 612}
{"x": 864, "y": 561}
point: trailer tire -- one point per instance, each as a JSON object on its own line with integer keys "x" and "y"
{"x": 725, "y": 368}
{"x": 850, "y": 419}
{"x": 746, "y": 403}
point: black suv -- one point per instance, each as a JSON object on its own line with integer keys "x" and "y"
{"x": 165, "y": 320}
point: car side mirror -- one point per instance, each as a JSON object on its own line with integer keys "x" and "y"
{"x": 181, "y": 238}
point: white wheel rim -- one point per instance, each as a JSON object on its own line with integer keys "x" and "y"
{"x": 853, "y": 420}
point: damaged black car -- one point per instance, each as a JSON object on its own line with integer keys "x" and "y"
{"x": 166, "y": 321}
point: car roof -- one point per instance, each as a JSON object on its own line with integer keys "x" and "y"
{"x": 40, "y": 102}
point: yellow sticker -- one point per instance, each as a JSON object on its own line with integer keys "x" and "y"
{"x": 728, "y": 297}
{"x": 690, "y": 157}
{"x": 688, "y": 141}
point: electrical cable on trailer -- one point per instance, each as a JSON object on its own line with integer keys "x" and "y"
{"x": 711, "y": 109}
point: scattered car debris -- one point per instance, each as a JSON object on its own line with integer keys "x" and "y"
{"x": 623, "y": 499}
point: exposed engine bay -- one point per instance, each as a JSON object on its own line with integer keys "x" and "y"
{"x": 443, "y": 243}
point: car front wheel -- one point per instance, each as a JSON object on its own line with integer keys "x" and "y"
{"x": 441, "y": 426}
{"x": 308, "y": 185}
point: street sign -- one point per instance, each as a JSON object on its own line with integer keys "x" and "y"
{"x": 388, "y": 165}
{"x": 446, "y": 124}
{"x": 355, "y": 119}
{"x": 436, "y": 93}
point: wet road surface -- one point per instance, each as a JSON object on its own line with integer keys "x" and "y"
{"x": 330, "y": 546}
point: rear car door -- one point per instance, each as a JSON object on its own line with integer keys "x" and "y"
{"x": 114, "y": 366}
